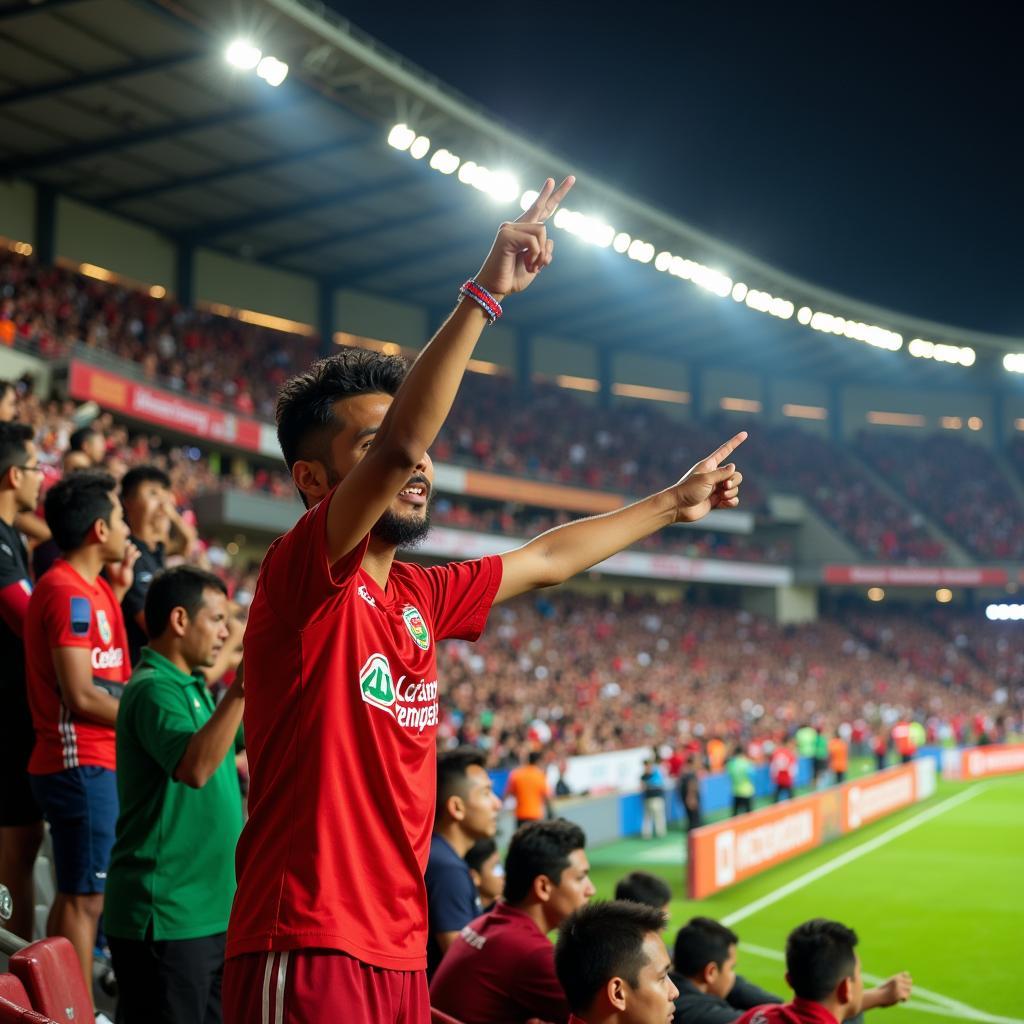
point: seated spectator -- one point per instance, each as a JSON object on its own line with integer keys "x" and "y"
{"x": 823, "y": 970}
{"x": 487, "y": 872}
{"x": 501, "y": 968}
{"x": 467, "y": 810}
{"x": 704, "y": 972}
{"x": 172, "y": 870}
{"x": 613, "y": 965}
{"x": 641, "y": 887}
{"x": 91, "y": 443}
{"x": 76, "y": 654}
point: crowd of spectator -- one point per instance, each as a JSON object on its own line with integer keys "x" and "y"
{"x": 577, "y": 674}
{"x": 964, "y": 489}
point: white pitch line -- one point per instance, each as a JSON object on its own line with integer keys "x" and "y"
{"x": 942, "y": 1004}
{"x": 851, "y": 855}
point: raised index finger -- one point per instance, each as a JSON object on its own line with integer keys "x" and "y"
{"x": 719, "y": 455}
{"x": 548, "y": 200}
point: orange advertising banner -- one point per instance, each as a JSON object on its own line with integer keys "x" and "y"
{"x": 980, "y": 762}
{"x": 728, "y": 852}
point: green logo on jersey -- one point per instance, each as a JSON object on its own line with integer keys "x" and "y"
{"x": 416, "y": 626}
{"x": 375, "y": 682}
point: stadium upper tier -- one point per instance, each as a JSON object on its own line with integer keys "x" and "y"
{"x": 551, "y": 433}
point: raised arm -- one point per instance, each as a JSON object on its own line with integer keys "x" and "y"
{"x": 561, "y": 553}
{"x": 520, "y": 251}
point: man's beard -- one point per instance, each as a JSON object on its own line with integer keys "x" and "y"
{"x": 402, "y": 531}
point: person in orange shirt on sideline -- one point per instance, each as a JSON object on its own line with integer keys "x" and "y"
{"x": 838, "y": 757}
{"x": 717, "y": 752}
{"x": 528, "y": 786}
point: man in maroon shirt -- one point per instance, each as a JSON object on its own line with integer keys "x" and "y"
{"x": 823, "y": 970}
{"x": 613, "y": 965}
{"x": 330, "y": 915}
{"x": 501, "y": 969}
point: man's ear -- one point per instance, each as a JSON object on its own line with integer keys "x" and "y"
{"x": 455, "y": 807}
{"x": 844, "y": 991}
{"x": 615, "y": 991}
{"x": 542, "y": 888}
{"x": 310, "y": 478}
{"x": 710, "y": 972}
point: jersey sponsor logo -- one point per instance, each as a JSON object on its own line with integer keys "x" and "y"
{"x": 413, "y": 705}
{"x": 106, "y": 633}
{"x": 376, "y": 684}
{"x": 81, "y": 616}
{"x": 107, "y": 659}
{"x": 416, "y": 626}
{"x": 366, "y": 595}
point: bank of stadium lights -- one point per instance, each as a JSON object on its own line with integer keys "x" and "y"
{"x": 503, "y": 187}
{"x": 1005, "y": 612}
{"x": 921, "y": 349}
{"x": 1014, "y": 362}
{"x": 245, "y": 56}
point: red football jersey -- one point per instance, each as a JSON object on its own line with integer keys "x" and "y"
{"x": 341, "y": 714}
{"x": 65, "y": 610}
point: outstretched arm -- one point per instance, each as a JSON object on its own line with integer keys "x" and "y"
{"x": 521, "y": 250}
{"x": 560, "y": 554}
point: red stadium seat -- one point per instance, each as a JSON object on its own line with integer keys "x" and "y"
{"x": 13, "y": 991}
{"x": 441, "y": 1018}
{"x": 52, "y": 976}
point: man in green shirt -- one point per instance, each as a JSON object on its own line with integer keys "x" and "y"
{"x": 172, "y": 875}
{"x": 741, "y": 774}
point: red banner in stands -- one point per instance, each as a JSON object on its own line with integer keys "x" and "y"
{"x": 914, "y": 576}
{"x": 166, "y": 409}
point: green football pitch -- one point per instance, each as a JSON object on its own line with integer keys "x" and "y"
{"x": 937, "y": 890}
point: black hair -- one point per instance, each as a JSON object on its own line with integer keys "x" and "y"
{"x": 819, "y": 954}
{"x": 139, "y": 475}
{"x": 75, "y": 503}
{"x": 539, "y": 848}
{"x": 641, "y": 887}
{"x": 14, "y": 439}
{"x": 479, "y": 853}
{"x": 533, "y": 757}
{"x": 452, "y": 766}
{"x": 306, "y": 422}
{"x": 702, "y": 941}
{"x": 602, "y": 941}
{"x": 76, "y": 442}
{"x": 181, "y": 587}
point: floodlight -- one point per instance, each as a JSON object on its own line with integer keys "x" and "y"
{"x": 621, "y": 242}
{"x": 663, "y": 261}
{"x": 527, "y": 199}
{"x": 272, "y": 71}
{"x": 444, "y": 161}
{"x": 502, "y": 186}
{"x": 401, "y": 136}
{"x": 242, "y": 54}
{"x": 739, "y": 291}
{"x": 420, "y": 147}
{"x": 467, "y": 172}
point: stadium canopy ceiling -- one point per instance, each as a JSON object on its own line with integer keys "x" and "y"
{"x": 130, "y": 106}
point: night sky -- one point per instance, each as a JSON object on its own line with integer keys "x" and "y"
{"x": 874, "y": 153}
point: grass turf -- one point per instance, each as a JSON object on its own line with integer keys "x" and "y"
{"x": 944, "y": 901}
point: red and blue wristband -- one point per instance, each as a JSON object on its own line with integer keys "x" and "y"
{"x": 483, "y": 298}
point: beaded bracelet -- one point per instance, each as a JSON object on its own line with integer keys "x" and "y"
{"x": 483, "y": 298}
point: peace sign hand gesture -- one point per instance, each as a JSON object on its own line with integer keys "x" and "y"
{"x": 522, "y": 248}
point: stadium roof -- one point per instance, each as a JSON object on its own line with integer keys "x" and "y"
{"x": 130, "y": 106}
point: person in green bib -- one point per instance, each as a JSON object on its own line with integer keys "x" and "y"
{"x": 172, "y": 870}
{"x": 740, "y": 770}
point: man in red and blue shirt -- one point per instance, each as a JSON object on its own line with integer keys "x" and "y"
{"x": 330, "y": 915}
{"x": 76, "y": 653}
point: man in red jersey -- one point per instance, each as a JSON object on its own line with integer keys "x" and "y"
{"x": 823, "y": 970}
{"x": 782, "y": 769}
{"x": 330, "y": 918}
{"x": 76, "y": 660}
